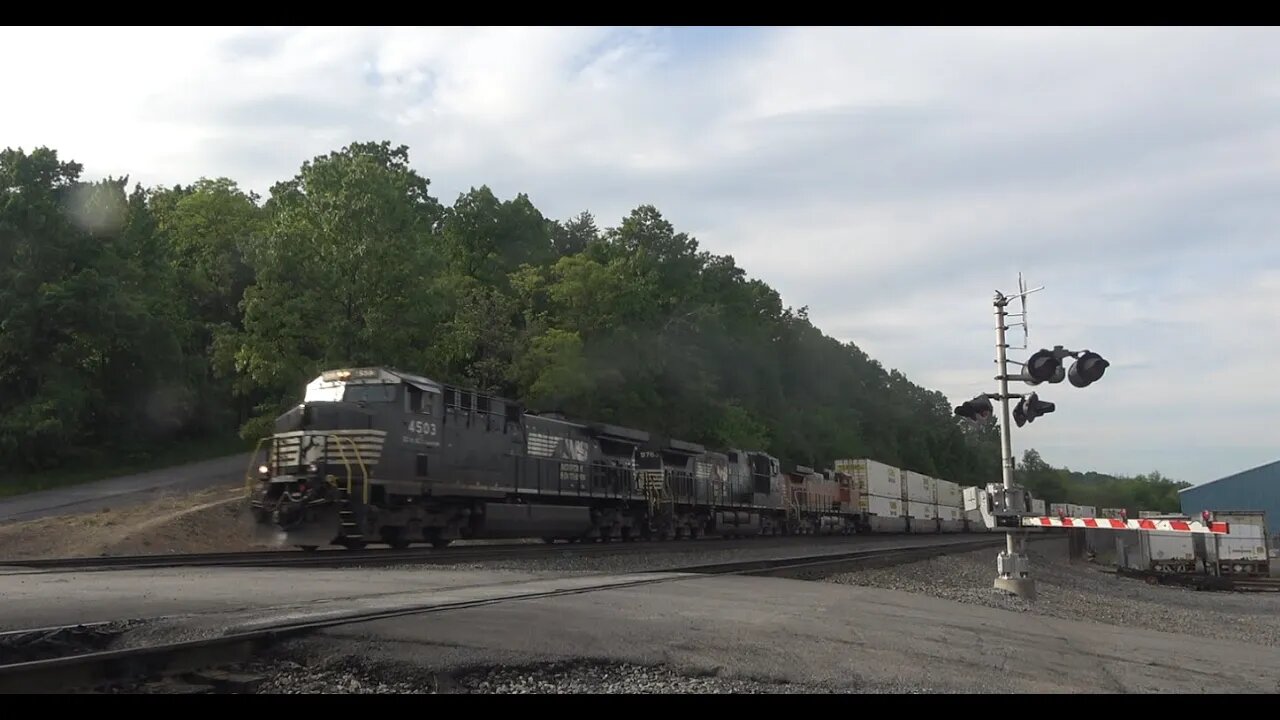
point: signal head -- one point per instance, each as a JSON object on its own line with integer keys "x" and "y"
{"x": 1044, "y": 366}
{"x": 975, "y": 410}
{"x": 1087, "y": 369}
{"x": 1030, "y": 408}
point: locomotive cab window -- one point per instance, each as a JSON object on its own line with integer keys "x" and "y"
{"x": 420, "y": 401}
{"x": 383, "y": 393}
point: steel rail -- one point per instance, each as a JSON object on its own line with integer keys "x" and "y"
{"x": 390, "y": 556}
{"x": 95, "y": 669}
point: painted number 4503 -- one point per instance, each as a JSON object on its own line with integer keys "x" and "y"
{"x": 422, "y": 427}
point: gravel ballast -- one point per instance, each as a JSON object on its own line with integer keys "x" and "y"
{"x": 1082, "y": 591}
{"x": 351, "y": 676}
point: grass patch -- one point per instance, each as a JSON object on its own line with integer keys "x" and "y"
{"x": 178, "y": 453}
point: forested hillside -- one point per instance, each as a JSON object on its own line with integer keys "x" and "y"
{"x": 1142, "y": 492}
{"x": 135, "y": 317}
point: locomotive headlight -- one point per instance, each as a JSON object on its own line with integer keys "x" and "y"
{"x": 313, "y": 467}
{"x": 263, "y": 469}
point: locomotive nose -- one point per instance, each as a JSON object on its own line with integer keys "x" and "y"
{"x": 324, "y": 416}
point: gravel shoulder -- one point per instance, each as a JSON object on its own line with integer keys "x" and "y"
{"x": 211, "y": 520}
{"x": 354, "y": 676}
{"x": 1081, "y": 591}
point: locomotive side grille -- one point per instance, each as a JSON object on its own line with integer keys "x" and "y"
{"x": 651, "y": 480}
{"x": 541, "y": 445}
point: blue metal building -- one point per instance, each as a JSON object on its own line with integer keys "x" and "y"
{"x": 1256, "y": 489}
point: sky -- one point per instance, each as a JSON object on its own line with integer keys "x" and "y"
{"x": 890, "y": 179}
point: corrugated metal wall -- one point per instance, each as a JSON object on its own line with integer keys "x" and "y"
{"x": 1256, "y": 489}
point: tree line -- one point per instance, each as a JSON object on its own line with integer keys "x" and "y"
{"x": 134, "y": 318}
{"x": 1151, "y": 491}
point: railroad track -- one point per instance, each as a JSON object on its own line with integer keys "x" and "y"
{"x": 1198, "y": 581}
{"x": 387, "y": 556}
{"x": 101, "y": 668}
{"x": 1271, "y": 584}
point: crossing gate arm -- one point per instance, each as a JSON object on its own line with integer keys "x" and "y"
{"x": 1187, "y": 526}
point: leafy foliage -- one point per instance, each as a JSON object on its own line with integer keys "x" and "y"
{"x": 196, "y": 310}
{"x": 1141, "y": 492}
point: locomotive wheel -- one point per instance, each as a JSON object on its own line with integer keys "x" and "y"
{"x": 308, "y": 548}
{"x": 395, "y": 538}
{"x": 440, "y": 543}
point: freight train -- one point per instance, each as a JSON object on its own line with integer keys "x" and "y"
{"x": 376, "y": 455}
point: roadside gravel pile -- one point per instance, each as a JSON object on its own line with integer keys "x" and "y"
{"x": 1080, "y": 591}
{"x": 582, "y": 677}
{"x": 286, "y": 677}
{"x": 354, "y": 676}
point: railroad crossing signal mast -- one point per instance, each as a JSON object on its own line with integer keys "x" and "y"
{"x": 1011, "y": 503}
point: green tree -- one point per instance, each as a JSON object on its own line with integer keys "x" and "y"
{"x": 87, "y": 344}
{"x": 345, "y": 271}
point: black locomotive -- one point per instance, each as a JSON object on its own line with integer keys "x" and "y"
{"x": 383, "y": 456}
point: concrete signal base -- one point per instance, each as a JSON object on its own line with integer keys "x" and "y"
{"x": 1024, "y": 588}
{"x": 1012, "y": 572}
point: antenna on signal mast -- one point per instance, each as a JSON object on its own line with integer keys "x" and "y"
{"x": 1022, "y": 297}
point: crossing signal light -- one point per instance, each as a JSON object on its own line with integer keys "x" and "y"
{"x": 1030, "y": 408}
{"x": 1044, "y": 366}
{"x": 1087, "y": 369}
{"x": 976, "y": 410}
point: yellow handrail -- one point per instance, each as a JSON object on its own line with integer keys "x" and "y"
{"x": 364, "y": 470}
{"x": 343, "y": 455}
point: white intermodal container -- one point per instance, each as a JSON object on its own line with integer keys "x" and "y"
{"x": 922, "y": 510}
{"x": 949, "y": 513}
{"x": 949, "y": 494}
{"x": 1171, "y": 551}
{"x": 917, "y": 487}
{"x": 885, "y": 507}
{"x": 977, "y": 520}
{"x": 1232, "y": 549}
{"x": 971, "y": 497}
{"x": 1156, "y": 551}
{"x": 1243, "y": 524}
{"x": 871, "y": 477}
{"x": 1086, "y": 511}
{"x": 1037, "y": 506}
{"x": 1244, "y": 548}
{"x": 1056, "y": 509}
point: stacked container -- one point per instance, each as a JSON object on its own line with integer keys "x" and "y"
{"x": 879, "y": 491}
{"x": 975, "y": 510}
{"x": 921, "y": 502}
{"x": 950, "y": 501}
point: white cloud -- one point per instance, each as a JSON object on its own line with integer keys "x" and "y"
{"x": 888, "y": 178}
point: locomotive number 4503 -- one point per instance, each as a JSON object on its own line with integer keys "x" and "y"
{"x": 422, "y": 427}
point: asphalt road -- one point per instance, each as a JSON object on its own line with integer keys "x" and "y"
{"x": 124, "y": 491}
{"x": 811, "y": 632}
{"x": 225, "y": 596}
{"x": 763, "y": 628}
